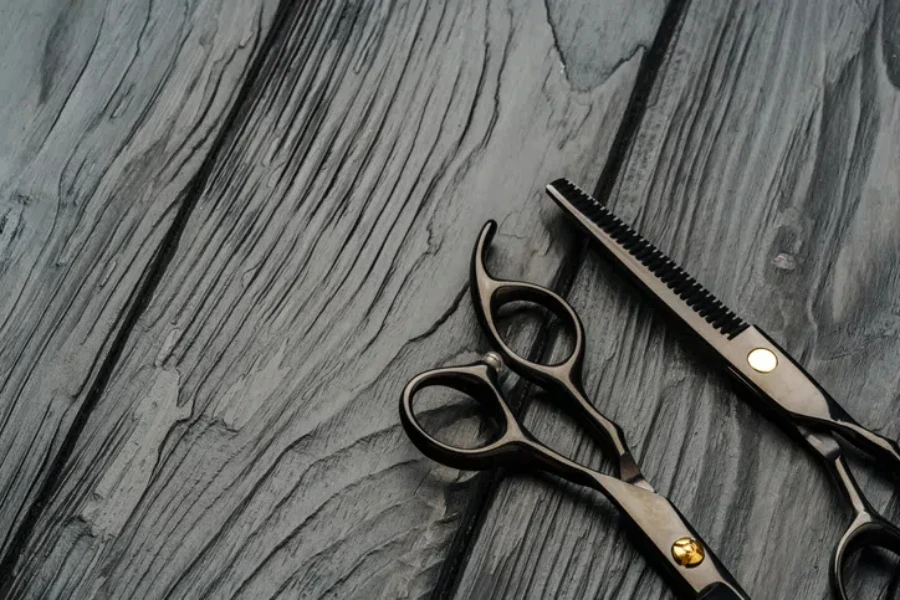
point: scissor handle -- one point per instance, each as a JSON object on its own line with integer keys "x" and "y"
{"x": 564, "y": 379}
{"x": 514, "y": 447}
{"x": 654, "y": 520}
{"x": 490, "y": 294}
{"x": 477, "y": 380}
{"x": 868, "y": 529}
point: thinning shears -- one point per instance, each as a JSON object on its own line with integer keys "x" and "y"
{"x": 669, "y": 541}
{"x": 775, "y": 381}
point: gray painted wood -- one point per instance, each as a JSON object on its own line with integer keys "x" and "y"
{"x": 248, "y": 442}
{"x": 106, "y": 112}
{"x": 767, "y": 164}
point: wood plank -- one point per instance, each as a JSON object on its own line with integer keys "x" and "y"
{"x": 106, "y": 112}
{"x": 248, "y": 443}
{"x": 767, "y": 165}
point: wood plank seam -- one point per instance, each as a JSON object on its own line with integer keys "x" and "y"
{"x": 266, "y": 538}
{"x": 486, "y": 486}
{"x": 141, "y": 296}
{"x": 764, "y": 164}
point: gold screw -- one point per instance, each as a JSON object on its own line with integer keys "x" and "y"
{"x": 688, "y": 552}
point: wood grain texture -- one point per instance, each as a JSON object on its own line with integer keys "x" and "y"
{"x": 248, "y": 444}
{"x": 768, "y": 166}
{"x": 106, "y": 112}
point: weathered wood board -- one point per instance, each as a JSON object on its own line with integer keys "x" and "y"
{"x": 248, "y": 442}
{"x": 107, "y": 110}
{"x": 768, "y": 164}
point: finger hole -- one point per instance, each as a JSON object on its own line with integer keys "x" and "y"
{"x": 872, "y": 574}
{"x": 522, "y": 313}
{"x": 869, "y": 561}
{"x": 456, "y": 418}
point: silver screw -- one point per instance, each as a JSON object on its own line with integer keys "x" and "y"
{"x": 494, "y": 361}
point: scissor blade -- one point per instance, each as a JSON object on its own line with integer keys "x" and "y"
{"x": 664, "y": 279}
{"x": 725, "y": 333}
{"x": 661, "y": 526}
{"x": 750, "y": 355}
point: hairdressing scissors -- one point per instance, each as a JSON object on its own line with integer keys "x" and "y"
{"x": 774, "y": 379}
{"x": 669, "y": 541}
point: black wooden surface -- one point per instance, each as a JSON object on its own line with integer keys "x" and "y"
{"x": 230, "y": 231}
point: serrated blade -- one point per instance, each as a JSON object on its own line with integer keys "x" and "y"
{"x": 664, "y": 279}
{"x": 752, "y": 358}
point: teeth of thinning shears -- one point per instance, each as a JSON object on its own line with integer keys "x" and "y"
{"x": 665, "y": 279}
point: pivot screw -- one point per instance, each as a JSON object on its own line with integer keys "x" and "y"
{"x": 762, "y": 360}
{"x": 688, "y": 552}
